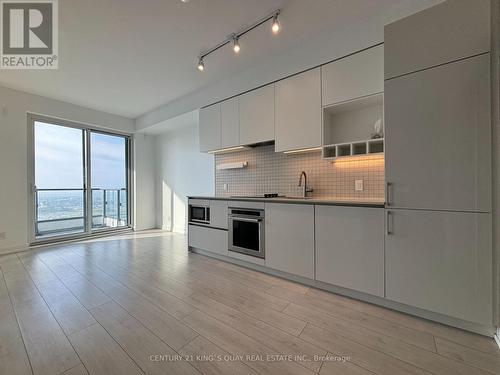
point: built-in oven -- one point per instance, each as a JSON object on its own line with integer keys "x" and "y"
{"x": 199, "y": 214}
{"x": 246, "y": 231}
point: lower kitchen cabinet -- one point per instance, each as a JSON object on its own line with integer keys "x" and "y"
{"x": 350, "y": 247}
{"x": 441, "y": 261}
{"x": 289, "y": 238}
{"x": 209, "y": 239}
{"x": 218, "y": 214}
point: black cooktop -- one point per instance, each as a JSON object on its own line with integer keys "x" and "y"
{"x": 267, "y": 195}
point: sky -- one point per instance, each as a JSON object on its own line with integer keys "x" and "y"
{"x": 59, "y": 158}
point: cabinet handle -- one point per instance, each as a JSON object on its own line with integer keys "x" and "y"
{"x": 389, "y": 223}
{"x": 388, "y": 188}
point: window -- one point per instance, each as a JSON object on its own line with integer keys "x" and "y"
{"x": 79, "y": 180}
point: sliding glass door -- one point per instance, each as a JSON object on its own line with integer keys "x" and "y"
{"x": 79, "y": 180}
{"x": 59, "y": 193}
{"x": 108, "y": 168}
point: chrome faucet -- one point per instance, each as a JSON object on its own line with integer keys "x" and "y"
{"x": 305, "y": 189}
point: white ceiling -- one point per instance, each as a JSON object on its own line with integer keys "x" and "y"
{"x": 130, "y": 56}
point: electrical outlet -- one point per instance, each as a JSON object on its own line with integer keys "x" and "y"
{"x": 2, "y": 235}
{"x": 224, "y": 187}
{"x": 358, "y": 185}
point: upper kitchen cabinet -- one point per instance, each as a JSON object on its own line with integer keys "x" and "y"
{"x": 257, "y": 116}
{"x": 443, "y": 33}
{"x": 209, "y": 128}
{"x": 438, "y": 137}
{"x": 354, "y": 76}
{"x": 230, "y": 123}
{"x": 353, "y": 104}
{"x": 298, "y": 111}
{"x": 441, "y": 261}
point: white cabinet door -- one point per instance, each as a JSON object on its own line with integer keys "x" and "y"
{"x": 298, "y": 111}
{"x": 257, "y": 115}
{"x": 441, "y": 261}
{"x": 289, "y": 238}
{"x": 230, "y": 123}
{"x": 210, "y": 239}
{"x": 350, "y": 247}
{"x": 354, "y": 76}
{"x": 446, "y": 32}
{"x": 218, "y": 214}
{"x": 438, "y": 137}
{"x": 210, "y": 128}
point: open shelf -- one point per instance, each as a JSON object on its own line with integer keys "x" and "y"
{"x": 348, "y": 127}
{"x": 343, "y": 150}
{"x": 369, "y": 147}
{"x": 359, "y": 148}
{"x": 351, "y": 121}
{"x": 376, "y": 146}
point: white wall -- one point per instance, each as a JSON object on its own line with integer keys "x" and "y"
{"x": 144, "y": 177}
{"x": 14, "y": 106}
{"x": 181, "y": 170}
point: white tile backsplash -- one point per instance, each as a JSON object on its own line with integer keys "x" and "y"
{"x": 270, "y": 172}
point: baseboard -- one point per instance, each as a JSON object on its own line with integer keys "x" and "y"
{"x": 13, "y": 249}
{"x": 497, "y": 337}
{"x": 27, "y": 247}
{"x": 180, "y": 230}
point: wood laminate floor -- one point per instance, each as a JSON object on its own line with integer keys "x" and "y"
{"x": 141, "y": 304}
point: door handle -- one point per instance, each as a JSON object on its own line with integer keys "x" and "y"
{"x": 388, "y": 224}
{"x": 388, "y": 189}
{"x": 235, "y": 218}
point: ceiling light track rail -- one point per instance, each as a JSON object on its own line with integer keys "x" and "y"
{"x": 234, "y": 38}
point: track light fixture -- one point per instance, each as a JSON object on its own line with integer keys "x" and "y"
{"x": 236, "y": 44}
{"x": 201, "y": 65}
{"x": 235, "y": 37}
{"x": 276, "y": 24}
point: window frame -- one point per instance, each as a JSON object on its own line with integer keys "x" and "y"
{"x": 87, "y": 131}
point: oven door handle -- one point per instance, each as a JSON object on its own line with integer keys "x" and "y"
{"x": 245, "y": 219}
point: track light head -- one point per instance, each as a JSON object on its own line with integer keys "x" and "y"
{"x": 201, "y": 65}
{"x": 276, "y": 24}
{"x": 236, "y": 44}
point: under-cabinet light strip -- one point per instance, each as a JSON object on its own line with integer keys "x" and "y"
{"x": 303, "y": 150}
{"x": 229, "y": 149}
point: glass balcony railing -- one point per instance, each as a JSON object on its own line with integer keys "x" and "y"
{"x": 62, "y": 211}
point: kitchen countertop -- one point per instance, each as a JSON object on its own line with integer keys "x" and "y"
{"x": 299, "y": 200}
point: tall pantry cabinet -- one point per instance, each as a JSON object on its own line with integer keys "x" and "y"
{"x": 438, "y": 242}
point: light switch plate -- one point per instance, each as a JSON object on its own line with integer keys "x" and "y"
{"x": 224, "y": 187}
{"x": 358, "y": 185}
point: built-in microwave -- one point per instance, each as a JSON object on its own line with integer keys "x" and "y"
{"x": 199, "y": 214}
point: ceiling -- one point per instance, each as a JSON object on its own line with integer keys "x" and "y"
{"x": 128, "y": 57}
